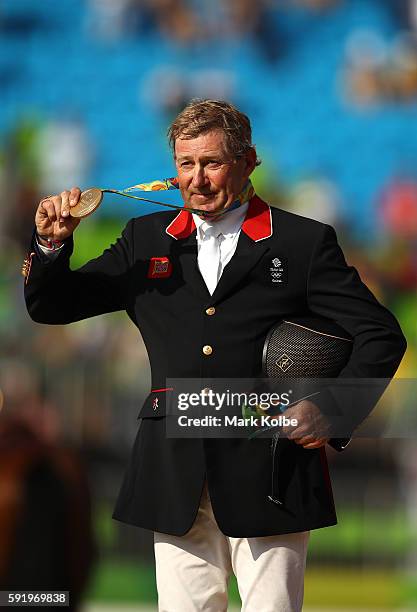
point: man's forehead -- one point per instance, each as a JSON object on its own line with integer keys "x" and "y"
{"x": 209, "y": 143}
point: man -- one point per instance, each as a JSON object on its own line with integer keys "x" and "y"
{"x": 200, "y": 290}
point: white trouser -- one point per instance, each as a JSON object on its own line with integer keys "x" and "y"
{"x": 192, "y": 571}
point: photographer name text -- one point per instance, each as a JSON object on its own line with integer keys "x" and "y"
{"x": 235, "y": 421}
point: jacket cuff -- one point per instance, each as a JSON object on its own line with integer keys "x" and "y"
{"x": 341, "y": 425}
{"x": 46, "y": 258}
{"x": 339, "y": 444}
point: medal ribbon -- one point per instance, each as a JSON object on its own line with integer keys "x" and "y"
{"x": 172, "y": 183}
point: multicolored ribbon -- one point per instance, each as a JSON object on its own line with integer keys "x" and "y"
{"x": 163, "y": 185}
{"x": 172, "y": 183}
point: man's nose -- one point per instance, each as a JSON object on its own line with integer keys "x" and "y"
{"x": 199, "y": 177}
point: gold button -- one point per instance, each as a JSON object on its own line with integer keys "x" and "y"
{"x": 210, "y": 311}
{"x": 207, "y": 349}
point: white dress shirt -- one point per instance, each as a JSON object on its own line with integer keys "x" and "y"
{"x": 228, "y": 227}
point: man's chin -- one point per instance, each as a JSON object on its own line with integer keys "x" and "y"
{"x": 203, "y": 202}
{"x": 204, "y": 208}
{"x": 208, "y": 215}
{"x": 207, "y": 206}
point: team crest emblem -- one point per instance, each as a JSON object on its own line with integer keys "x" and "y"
{"x": 277, "y": 270}
{"x": 159, "y": 267}
{"x": 284, "y": 362}
{"x": 155, "y": 403}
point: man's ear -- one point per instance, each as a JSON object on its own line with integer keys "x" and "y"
{"x": 250, "y": 158}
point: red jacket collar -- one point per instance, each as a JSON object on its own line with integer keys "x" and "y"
{"x": 181, "y": 226}
{"x": 257, "y": 224}
{"x": 258, "y": 221}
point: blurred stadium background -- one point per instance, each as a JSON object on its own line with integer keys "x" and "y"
{"x": 87, "y": 89}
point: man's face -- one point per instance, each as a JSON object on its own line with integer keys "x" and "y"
{"x": 209, "y": 178}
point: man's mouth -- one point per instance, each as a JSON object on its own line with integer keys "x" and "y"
{"x": 203, "y": 196}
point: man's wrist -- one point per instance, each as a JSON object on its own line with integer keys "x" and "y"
{"x": 48, "y": 242}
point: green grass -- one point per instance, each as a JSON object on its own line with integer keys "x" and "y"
{"x": 93, "y": 236}
{"x": 122, "y": 581}
{"x": 369, "y": 535}
{"x": 351, "y": 588}
{"x": 326, "y": 587}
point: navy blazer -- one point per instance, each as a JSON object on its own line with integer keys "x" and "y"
{"x": 151, "y": 272}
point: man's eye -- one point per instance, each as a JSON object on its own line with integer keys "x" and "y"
{"x": 214, "y": 162}
{"x": 186, "y": 164}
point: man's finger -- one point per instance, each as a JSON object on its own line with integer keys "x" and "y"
{"x": 310, "y": 441}
{"x": 58, "y": 204}
{"x": 316, "y": 444}
{"x": 287, "y": 430}
{"x": 49, "y": 208}
{"x": 75, "y": 195}
{"x": 297, "y": 432}
{"x": 65, "y": 205}
{"x": 42, "y": 209}
{"x": 304, "y": 440}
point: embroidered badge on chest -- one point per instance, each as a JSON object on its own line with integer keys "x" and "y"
{"x": 278, "y": 270}
{"x": 159, "y": 267}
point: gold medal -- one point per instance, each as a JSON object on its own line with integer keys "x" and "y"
{"x": 89, "y": 201}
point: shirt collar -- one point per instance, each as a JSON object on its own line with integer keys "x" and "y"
{"x": 229, "y": 223}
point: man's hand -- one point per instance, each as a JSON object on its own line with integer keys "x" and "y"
{"x": 313, "y": 429}
{"x": 53, "y": 220}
